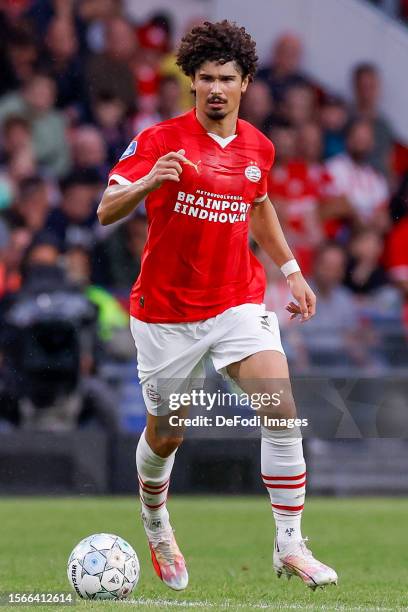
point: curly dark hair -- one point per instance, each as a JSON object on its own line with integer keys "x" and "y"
{"x": 221, "y": 42}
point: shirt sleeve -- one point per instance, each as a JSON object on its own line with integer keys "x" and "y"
{"x": 262, "y": 191}
{"x": 136, "y": 161}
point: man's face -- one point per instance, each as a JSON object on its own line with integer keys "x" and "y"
{"x": 287, "y": 54}
{"x": 44, "y": 255}
{"x": 360, "y": 142}
{"x": 284, "y": 139}
{"x": 367, "y": 87}
{"x": 218, "y": 89}
{"x": 40, "y": 94}
{"x": 310, "y": 142}
{"x": 77, "y": 202}
{"x": 330, "y": 268}
{"x": 33, "y": 206}
{"x": 257, "y": 103}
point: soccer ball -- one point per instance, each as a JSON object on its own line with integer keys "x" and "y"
{"x": 103, "y": 566}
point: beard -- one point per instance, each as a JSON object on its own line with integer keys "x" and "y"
{"x": 359, "y": 157}
{"x": 216, "y": 115}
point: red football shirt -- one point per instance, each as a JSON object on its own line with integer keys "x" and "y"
{"x": 196, "y": 262}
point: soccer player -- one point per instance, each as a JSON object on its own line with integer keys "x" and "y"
{"x": 200, "y": 290}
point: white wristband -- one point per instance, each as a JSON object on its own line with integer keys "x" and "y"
{"x": 290, "y": 267}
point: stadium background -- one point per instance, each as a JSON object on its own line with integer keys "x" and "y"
{"x": 78, "y": 80}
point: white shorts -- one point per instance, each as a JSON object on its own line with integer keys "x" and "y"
{"x": 171, "y": 356}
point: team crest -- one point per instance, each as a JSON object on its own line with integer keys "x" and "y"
{"x": 131, "y": 150}
{"x": 152, "y": 394}
{"x": 253, "y": 174}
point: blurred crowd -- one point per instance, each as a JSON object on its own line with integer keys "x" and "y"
{"x": 79, "y": 80}
{"x": 343, "y": 206}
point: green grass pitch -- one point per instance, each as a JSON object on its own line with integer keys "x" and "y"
{"x": 227, "y": 542}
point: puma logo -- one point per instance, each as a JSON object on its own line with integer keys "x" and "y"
{"x": 193, "y": 165}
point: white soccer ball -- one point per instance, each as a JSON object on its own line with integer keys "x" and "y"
{"x": 103, "y": 566}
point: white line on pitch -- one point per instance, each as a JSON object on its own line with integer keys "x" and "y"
{"x": 253, "y": 606}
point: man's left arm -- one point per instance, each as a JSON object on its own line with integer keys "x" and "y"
{"x": 268, "y": 234}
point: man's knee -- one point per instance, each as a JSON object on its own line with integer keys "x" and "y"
{"x": 163, "y": 443}
{"x": 271, "y": 398}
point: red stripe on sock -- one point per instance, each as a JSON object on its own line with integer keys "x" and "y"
{"x": 152, "y": 507}
{"x": 281, "y": 486}
{"x": 154, "y": 486}
{"x": 291, "y": 508}
{"x": 153, "y": 489}
{"x": 153, "y": 492}
{"x": 284, "y": 477}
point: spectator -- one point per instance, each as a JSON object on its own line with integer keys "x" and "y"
{"x": 165, "y": 106}
{"x": 16, "y": 137}
{"x": 16, "y": 157}
{"x": 156, "y": 33}
{"x": 365, "y": 274}
{"x": 53, "y": 386}
{"x": 94, "y": 16}
{"x": 31, "y": 207}
{"x": 74, "y": 222}
{"x": 396, "y": 257}
{"x": 110, "y": 118}
{"x": 20, "y": 61}
{"x": 40, "y": 13}
{"x": 367, "y": 92}
{"x": 332, "y": 338}
{"x": 11, "y": 258}
{"x": 45, "y": 250}
{"x": 36, "y": 104}
{"x": 299, "y": 104}
{"x": 399, "y": 203}
{"x": 89, "y": 151}
{"x": 113, "y": 319}
{"x": 169, "y": 105}
{"x": 154, "y": 38}
{"x": 112, "y": 71}
{"x": 284, "y": 68}
{"x": 294, "y": 190}
{"x": 361, "y": 191}
{"x": 310, "y": 145}
{"x": 284, "y": 136}
{"x": 379, "y": 303}
{"x": 310, "y": 149}
{"x": 333, "y": 119}
{"x": 22, "y": 166}
{"x": 257, "y": 104}
{"x": 118, "y": 257}
{"x": 168, "y": 67}
{"x": 64, "y": 63}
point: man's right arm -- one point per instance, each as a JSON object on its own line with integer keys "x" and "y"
{"x": 118, "y": 201}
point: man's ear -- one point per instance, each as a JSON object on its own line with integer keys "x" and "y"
{"x": 244, "y": 85}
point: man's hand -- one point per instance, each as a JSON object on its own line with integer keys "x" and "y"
{"x": 306, "y": 299}
{"x": 167, "y": 168}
